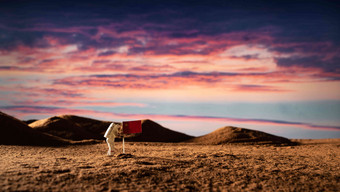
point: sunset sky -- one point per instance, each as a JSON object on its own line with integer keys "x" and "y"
{"x": 192, "y": 66}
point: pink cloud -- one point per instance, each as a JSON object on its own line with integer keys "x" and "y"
{"x": 75, "y": 102}
{"x": 156, "y": 61}
{"x": 258, "y": 88}
{"x": 263, "y": 82}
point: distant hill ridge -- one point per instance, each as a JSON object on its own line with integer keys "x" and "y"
{"x": 16, "y": 132}
{"x": 154, "y": 132}
{"x": 76, "y": 129}
{"x": 231, "y": 134}
{"x": 72, "y": 127}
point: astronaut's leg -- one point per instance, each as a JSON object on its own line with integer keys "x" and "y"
{"x": 110, "y": 143}
{"x": 107, "y": 141}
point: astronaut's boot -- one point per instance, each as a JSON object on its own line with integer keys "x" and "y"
{"x": 110, "y": 153}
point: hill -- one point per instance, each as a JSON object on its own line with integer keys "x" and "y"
{"x": 71, "y": 127}
{"x": 30, "y": 121}
{"x": 239, "y": 135}
{"x": 80, "y": 128}
{"x": 96, "y": 127}
{"x": 16, "y": 132}
{"x": 154, "y": 132}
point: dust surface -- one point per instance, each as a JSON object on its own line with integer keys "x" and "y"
{"x": 171, "y": 167}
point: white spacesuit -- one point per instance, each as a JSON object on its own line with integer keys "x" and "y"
{"x": 111, "y": 133}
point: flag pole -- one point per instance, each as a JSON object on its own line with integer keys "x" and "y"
{"x": 123, "y": 146}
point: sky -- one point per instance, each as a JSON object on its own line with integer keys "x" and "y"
{"x": 192, "y": 66}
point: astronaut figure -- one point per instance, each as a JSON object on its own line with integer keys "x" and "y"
{"x": 111, "y": 133}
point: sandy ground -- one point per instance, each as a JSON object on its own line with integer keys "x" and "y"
{"x": 314, "y": 166}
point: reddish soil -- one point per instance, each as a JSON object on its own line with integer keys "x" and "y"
{"x": 171, "y": 167}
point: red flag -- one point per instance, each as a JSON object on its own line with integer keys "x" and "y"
{"x": 130, "y": 127}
